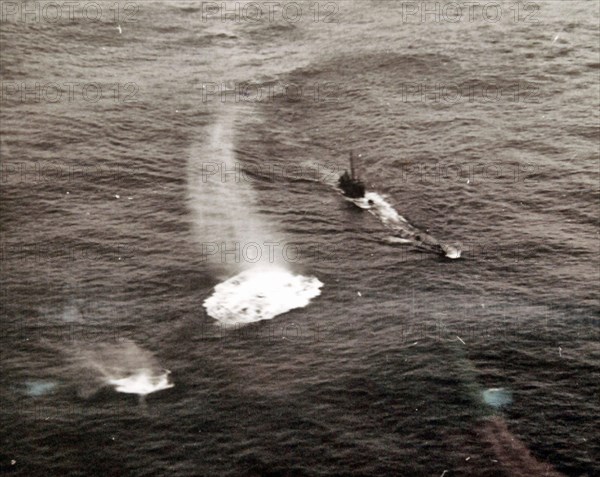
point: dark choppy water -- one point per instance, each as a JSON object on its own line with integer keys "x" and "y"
{"x": 104, "y": 220}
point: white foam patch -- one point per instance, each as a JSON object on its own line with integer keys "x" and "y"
{"x": 143, "y": 382}
{"x": 260, "y": 294}
{"x": 451, "y": 252}
{"x": 383, "y": 209}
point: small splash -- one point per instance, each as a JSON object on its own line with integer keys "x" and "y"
{"x": 497, "y": 397}
{"x": 39, "y": 387}
{"x": 451, "y": 252}
{"x": 142, "y": 383}
{"x": 260, "y": 294}
{"x": 125, "y": 366}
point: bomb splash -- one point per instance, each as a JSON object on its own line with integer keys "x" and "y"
{"x": 224, "y": 210}
{"x": 260, "y": 294}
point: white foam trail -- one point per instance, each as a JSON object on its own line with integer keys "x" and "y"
{"x": 378, "y": 206}
{"x": 392, "y": 239}
{"x": 260, "y": 294}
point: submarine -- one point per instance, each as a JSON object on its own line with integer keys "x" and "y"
{"x": 354, "y": 190}
{"x": 350, "y": 185}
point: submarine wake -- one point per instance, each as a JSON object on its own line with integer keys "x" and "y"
{"x": 355, "y": 191}
{"x": 226, "y": 215}
{"x": 404, "y": 232}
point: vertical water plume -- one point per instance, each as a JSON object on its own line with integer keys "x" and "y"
{"x": 231, "y": 233}
{"x": 233, "y": 237}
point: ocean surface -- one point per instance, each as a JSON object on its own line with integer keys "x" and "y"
{"x": 154, "y": 150}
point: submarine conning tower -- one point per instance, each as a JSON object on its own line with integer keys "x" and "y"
{"x": 350, "y": 184}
